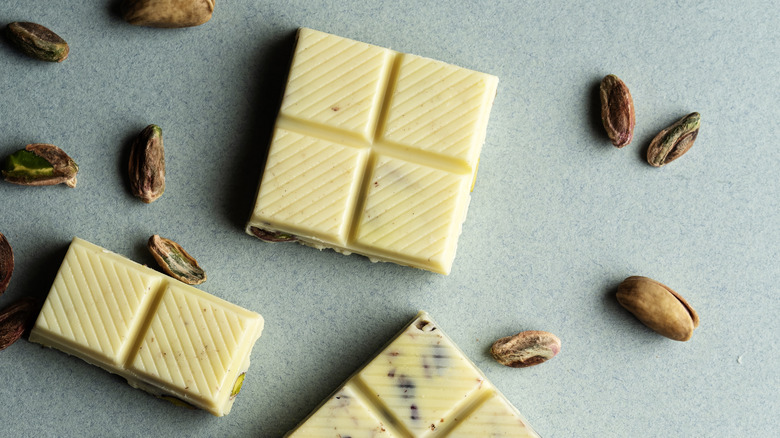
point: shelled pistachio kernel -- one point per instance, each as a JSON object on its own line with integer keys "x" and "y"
{"x": 526, "y": 348}
{"x": 617, "y": 110}
{"x": 6, "y": 263}
{"x": 146, "y": 167}
{"x": 672, "y": 142}
{"x": 15, "y": 319}
{"x": 40, "y": 164}
{"x": 37, "y": 41}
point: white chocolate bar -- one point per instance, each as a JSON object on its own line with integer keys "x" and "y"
{"x": 374, "y": 152}
{"x": 419, "y": 385}
{"x": 163, "y": 336}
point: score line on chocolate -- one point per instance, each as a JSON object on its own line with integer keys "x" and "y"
{"x": 374, "y": 152}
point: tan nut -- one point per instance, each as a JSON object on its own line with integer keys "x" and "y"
{"x": 658, "y": 307}
{"x": 525, "y": 348}
{"x": 167, "y": 13}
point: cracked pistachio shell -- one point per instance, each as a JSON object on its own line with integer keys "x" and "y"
{"x": 37, "y": 41}
{"x": 175, "y": 261}
{"x": 658, "y": 307}
{"x": 40, "y": 164}
{"x": 6, "y": 263}
{"x": 147, "y": 165}
{"x": 167, "y": 13}
{"x": 671, "y": 143}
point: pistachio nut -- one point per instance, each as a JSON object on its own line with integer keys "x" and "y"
{"x": 6, "y": 263}
{"x": 671, "y": 143}
{"x": 272, "y": 236}
{"x": 658, "y": 307}
{"x": 147, "y": 164}
{"x": 40, "y": 164}
{"x": 37, "y": 41}
{"x": 175, "y": 261}
{"x": 15, "y": 319}
{"x": 617, "y": 110}
{"x": 167, "y": 13}
{"x": 237, "y": 385}
{"x": 526, "y": 348}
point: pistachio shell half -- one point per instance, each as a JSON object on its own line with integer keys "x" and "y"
{"x": 175, "y": 261}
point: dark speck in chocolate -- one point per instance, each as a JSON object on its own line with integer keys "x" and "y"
{"x": 407, "y": 386}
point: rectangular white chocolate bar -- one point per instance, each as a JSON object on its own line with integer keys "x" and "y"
{"x": 165, "y": 337}
{"x": 374, "y": 152}
{"x": 419, "y": 385}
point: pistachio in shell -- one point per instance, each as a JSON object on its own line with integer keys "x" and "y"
{"x": 658, "y": 307}
{"x": 40, "y": 164}
{"x": 37, "y": 41}
{"x": 167, "y": 13}
{"x": 175, "y": 261}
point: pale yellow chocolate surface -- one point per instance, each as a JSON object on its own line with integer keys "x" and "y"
{"x": 163, "y": 336}
{"x": 374, "y": 152}
{"x": 419, "y": 385}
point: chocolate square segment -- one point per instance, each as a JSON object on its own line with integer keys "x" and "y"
{"x": 374, "y": 152}
{"x": 420, "y": 385}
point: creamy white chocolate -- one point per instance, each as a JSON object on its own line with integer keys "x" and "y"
{"x": 374, "y": 152}
{"x": 419, "y": 385}
{"x": 163, "y": 336}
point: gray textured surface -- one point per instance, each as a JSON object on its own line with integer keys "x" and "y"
{"x": 558, "y": 218}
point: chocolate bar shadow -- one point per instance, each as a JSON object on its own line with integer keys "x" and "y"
{"x": 274, "y": 64}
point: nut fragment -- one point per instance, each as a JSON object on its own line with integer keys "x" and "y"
{"x": 6, "y": 263}
{"x": 40, "y": 164}
{"x": 671, "y": 143}
{"x": 147, "y": 164}
{"x": 658, "y": 307}
{"x": 237, "y": 385}
{"x": 167, "y": 13}
{"x": 272, "y": 236}
{"x": 15, "y": 319}
{"x": 526, "y": 348}
{"x": 617, "y": 110}
{"x": 174, "y": 260}
{"x": 37, "y": 41}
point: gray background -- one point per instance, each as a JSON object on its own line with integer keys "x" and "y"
{"x": 558, "y": 217}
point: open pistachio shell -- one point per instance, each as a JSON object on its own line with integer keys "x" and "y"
{"x": 40, "y": 164}
{"x": 175, "y": 261}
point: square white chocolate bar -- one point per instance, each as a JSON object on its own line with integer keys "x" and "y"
{"x": 374, "y": 152}
{"x": 163, "y": 336}
{"x": 419, "y": 385}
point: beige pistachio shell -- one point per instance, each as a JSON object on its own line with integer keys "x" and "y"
{"x": 658, "y": 307}
{"x": 167, "y": 13}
